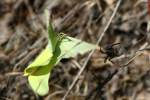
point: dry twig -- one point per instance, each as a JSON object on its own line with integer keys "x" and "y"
{"x": 115, "y": 74}
{"x": 89, "y": 56}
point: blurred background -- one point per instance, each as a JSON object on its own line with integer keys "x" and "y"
{"x": 23, "y": 36}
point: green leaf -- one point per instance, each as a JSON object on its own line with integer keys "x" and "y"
{"x": 44, "y": 63}
{"x": 71, "y": 47}
{"x": 52, "y": 35}
{"x": 53, "y": 39}
{"x": 39, "y": 84}
{"x": 58, "y": 47}
{"x": 39, "y": 79}
{"x": 40, "y": 64}
{"x": 66, "y": 48}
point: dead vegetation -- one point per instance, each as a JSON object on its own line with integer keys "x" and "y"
{"x": 23, "y": 36}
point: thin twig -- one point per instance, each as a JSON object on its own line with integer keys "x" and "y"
{"x": 49, "y": 97}
{"x": 89, "y": 56}
{"x": 108, "y": 80}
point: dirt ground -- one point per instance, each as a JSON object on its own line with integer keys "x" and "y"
{"x": 23, "y": 36}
